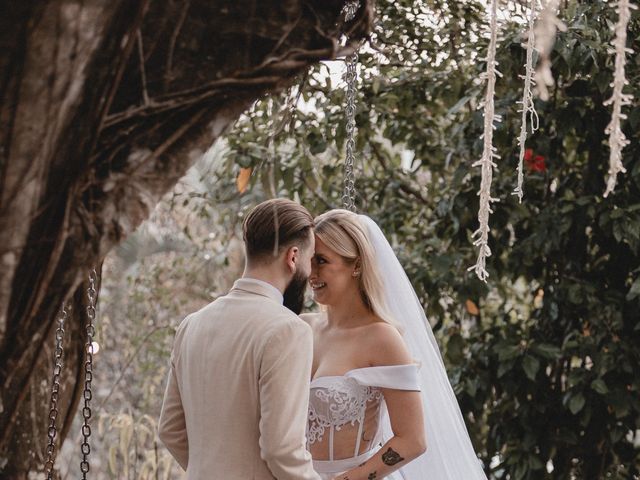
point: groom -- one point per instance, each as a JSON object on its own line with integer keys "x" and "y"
{"x": 236, "y": 402}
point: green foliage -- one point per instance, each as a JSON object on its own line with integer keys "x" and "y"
{"x": 548, "y": 370}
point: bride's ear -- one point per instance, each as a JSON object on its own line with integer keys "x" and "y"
{"x": 357, "y": 267}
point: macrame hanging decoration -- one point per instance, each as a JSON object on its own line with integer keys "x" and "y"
{"x": 528, "y": 108}
{"x": 545, "y": 36}
{"x": 486, "y": 162}
{"x": 617, "y": 139}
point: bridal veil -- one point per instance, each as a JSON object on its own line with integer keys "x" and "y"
{"x": 450, "y": 454}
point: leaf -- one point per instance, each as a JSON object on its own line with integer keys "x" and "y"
{"x": 521, "y": 471}
{"x": 548, "y": 351}
{"x": 634, "y": 118}
{"x": 472, "y": 308}
{"x": 531, "y": 365}
{"x": 599, "y": 386}
{"x": 503, "y": 368}
{"x": 634, "y": 291}
{"x": 618, "y": 232}
{"x": 243, "y": 179}
{"x": 318, "y": 147}
{"x": 455, "y": 346}
{"x": 375, "y": 85}
{"x": 472, "y": 387}
{"x": 535, "y": 463}
{"x": 459, "y": 104}
{"x": 619, "y": 404}
{"x": 244, "y": 160}
{"x": 633, "y": 229}
{"x": 617, "y": 213}
{"x": 113, "y": 460}
{"x": 507, "y": 352}
{"x": 576, "y": 403}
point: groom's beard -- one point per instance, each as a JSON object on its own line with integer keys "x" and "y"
{"x": 294, "y": 293}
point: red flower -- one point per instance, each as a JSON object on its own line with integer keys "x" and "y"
{"x": 528, "y": 155}
{"x": 534, "y": 163}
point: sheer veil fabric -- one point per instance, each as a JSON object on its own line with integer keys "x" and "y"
{"x": 450, "y": 454}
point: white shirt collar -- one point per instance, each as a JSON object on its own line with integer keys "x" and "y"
{"x": 245, "y": 283}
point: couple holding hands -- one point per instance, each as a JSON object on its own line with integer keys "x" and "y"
{"x": 358, "y": 391}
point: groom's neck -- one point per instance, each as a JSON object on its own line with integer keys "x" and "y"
{"x": 266, "y": 274}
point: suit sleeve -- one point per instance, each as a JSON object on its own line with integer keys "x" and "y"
{"x": 172, "y": 427}
{"x": 284, "y": 401}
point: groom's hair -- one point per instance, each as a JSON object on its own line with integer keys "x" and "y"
{"x": 274, "y": 225}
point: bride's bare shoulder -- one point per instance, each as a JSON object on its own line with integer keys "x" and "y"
{"x": 387, "y": 343}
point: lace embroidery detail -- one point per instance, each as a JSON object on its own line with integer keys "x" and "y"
{"x": 316, "y": 426}
{"x": 342, "y": 403}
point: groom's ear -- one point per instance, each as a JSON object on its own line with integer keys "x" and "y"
{"x": 292, "y": 257}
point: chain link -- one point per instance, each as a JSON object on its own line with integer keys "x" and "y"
{"x": 350, "y": 9}
{"x": 55, "y": 391}
{"x": 351, "y": 76}
{"x": 88, "y": 373}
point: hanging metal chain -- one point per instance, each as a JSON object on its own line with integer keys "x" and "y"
{"x": 351, "y": 76}
{"x": 349, "y": 194}
{"x": 55, "y": 391}
{"x": 88, "y": 373}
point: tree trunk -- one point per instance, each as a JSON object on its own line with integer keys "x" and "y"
{"x": 104, "y": 106}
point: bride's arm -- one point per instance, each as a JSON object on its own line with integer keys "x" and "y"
{"x": 405, "y": 413}
{"x": 408, "y": 441}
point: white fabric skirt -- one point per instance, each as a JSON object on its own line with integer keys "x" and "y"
{"x": 329, "y": 469}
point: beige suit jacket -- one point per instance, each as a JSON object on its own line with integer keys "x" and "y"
{"x": 237, "y": 397}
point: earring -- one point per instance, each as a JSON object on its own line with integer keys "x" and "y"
{"x": 356, "y": 273}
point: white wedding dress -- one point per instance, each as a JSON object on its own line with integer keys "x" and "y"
{"x": 349, "y": 408}
{"x": 341, "y": 406}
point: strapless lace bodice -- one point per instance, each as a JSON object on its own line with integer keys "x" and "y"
{"x": 343, "y": 405}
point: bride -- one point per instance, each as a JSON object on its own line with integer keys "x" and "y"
{"x": 379, "y": 390}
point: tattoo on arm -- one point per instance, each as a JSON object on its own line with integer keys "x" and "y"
{"x": 391, "y": 457}
{"x": 372, "y": 476}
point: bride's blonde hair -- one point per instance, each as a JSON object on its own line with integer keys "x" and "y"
{"x": 344, "y": 233}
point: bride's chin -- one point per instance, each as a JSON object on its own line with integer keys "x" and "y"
{"x": 317, "y": 297}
